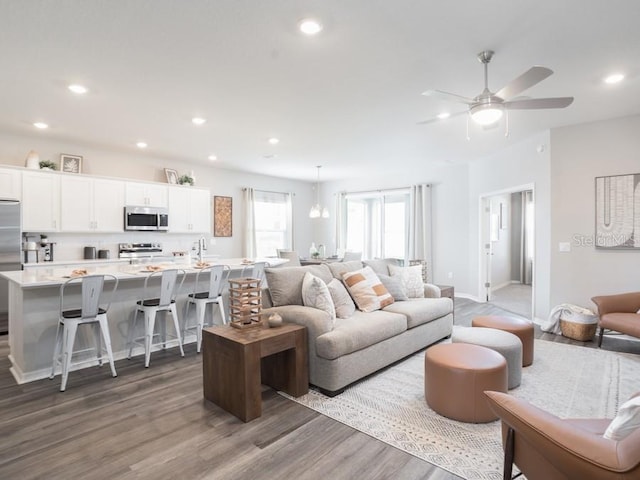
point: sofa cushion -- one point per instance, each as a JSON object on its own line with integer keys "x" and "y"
{"x": 342, "y": 301}
{"x": 358, "y": 332}
{"x": 285, "y": 283}
{"x": 628, "y": 323}
{"x": 626, "y": 422}
{"x": 366, "y": 290}
{"x": 338, "y": 268}
{"x": 315, "y": 294}
{"x": 411, "y": 279}
{"x": 381, "y": 265}
{"x": 422, "y": 310}
{"x": 395, "y": 288}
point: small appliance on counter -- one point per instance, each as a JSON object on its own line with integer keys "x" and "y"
{"x": 47, "y": 248}
{"x": 104, "y": 254}
{"x": 139, "y": 250}
{"x": 89, "y": 253}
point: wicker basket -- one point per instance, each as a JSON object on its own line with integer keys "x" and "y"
{"x": 582, "y": 332}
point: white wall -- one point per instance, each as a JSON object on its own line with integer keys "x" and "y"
{"x": 144, "y": 166}
{"x": 515, "y": 166}
{"x": 450, "y": 215}
{"x": 579, "y": 154}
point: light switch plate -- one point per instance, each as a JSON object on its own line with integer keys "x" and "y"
{"x": 564, "y": 247}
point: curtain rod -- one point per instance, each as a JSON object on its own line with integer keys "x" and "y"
{"x": 383, "y": 190}
{"x": 244, "y": 189}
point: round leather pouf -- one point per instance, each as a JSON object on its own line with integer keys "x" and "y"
{"x": 456, "y": 376}
{"x": 520, "y": 327}
{"x": 505, "y": 343}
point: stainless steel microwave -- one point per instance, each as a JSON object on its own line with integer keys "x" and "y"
{"x": 146, "y": 218}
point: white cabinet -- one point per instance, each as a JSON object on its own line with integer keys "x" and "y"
{"x": 189, "y": 210}
{"x": 91, "y": 204}
{"x": 40, "y": 202}
{"x": 10, "y": 184}
{"x": 141, "y": 194}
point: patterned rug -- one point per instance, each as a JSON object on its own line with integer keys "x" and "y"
{"x": 566, "y": 380}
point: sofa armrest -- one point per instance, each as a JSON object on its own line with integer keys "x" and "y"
{"x": 432, "y": 291}
{"x": 621, "y": 303}
{"x": 317, "y": 321}
{"x": 561, "y": 442}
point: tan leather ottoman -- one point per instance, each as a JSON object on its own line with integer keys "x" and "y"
{"x": 456, "y": 376}
{"x": 520, "y": 327}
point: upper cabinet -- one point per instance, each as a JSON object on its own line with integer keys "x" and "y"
{"x": 40, "y": 202}
{"x": 189, "y": 210}
{"x": 10, "y": 184}
{"x": 146, "y": 194}
{"x": 91, "y": 204}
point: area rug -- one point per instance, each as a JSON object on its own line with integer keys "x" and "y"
{"x": 566, "y": 380}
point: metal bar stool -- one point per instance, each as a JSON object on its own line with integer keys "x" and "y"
{"x": 218, "y": 275}
{"x": 150, "y": 305}
{"x": 89, "y": 313}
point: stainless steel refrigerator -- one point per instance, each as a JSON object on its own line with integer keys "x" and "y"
{"x": 10, "y": 250}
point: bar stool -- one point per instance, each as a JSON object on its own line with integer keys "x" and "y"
{"x": 89, "y": 313}
{"x": 218, "y": 274}
{"x": 150, "y": 305}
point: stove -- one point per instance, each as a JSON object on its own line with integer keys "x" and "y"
{"x": 139, "y": 250}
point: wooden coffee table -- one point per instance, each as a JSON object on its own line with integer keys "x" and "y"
{"x": 236, "y": 362}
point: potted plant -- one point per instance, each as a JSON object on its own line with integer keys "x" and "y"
{"x": 185, "y": 180}
{"x": 47, "y": 165}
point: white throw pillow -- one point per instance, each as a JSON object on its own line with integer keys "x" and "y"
{"x": 410, "y": 278}
{"x": 315, "y": 294}
{"x": 345, "y": 308}
{"x": 627, "y": 420}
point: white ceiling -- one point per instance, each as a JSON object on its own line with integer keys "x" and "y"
{"x": 347, "y": 99}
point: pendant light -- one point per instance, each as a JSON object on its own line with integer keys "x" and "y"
{"x": 317, "y": 211}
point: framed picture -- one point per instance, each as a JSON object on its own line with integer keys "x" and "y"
{"x": 172, "y": 175}
{"x": 222, "y": 216}
{"x": 617, "y": 212}
{"x": 70, "y": 163}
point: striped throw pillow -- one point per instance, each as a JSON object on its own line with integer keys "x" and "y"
{"x": 367, "y": 290}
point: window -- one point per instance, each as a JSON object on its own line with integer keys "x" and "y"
{"x": 272, "y": 214}
{"x": 377, "y": 223}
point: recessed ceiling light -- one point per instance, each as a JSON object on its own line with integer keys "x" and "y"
{"x": 274, "y": 141}
{"x": 213, "y": 158}
{"x": 78, "y": 89}
{"x": 141, "y": 145}
{"x": 309, "y": 26}
{"x": 40, "y": 125}
{"x": 614, "y": 78}
{"x": 198, "y": 120}
{"x": 444, "y": 115}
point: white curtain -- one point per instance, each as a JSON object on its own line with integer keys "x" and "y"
{"x": 341, "y": 241}
{"x": 420, "y": 226}
{"x": 289, "y": 201}
{"x": 526, "y": 239}
{"x": 249, "y": 250}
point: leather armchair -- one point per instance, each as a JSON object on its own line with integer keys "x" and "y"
{"x": 619, "y": 313}
{"x": 546, "y": 447}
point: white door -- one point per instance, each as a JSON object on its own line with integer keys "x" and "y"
{"x": 10, "y": 184}
{"x": 108, "y": 205}
{"x": 76, "y": 204}
{"x": 40, "y": 202}
{"x": 179, "y": 220}
{"x": 200, "y": 211}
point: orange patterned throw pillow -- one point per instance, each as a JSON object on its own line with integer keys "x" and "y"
{"x": 367, "y": 290}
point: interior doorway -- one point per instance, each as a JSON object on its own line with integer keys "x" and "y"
{"x": 507, "y": 249}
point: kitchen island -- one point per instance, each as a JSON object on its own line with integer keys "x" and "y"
{"x": 34, "y": 304}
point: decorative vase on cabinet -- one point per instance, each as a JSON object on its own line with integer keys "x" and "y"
{"x": 33, "y": 160}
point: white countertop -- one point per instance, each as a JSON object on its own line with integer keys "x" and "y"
{"x": 52, "y": 274}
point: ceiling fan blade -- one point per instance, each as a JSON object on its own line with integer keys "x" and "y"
{"x": 527, "y": 80}
{"x": 438, "y": 119}
{"x": 451, "y": 97}
{"x": 538, "y": 103}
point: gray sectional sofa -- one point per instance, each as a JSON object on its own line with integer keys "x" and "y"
{"x": 349, "y": 349}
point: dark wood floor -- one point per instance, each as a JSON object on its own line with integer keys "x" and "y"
{"x": 153, "y": 423}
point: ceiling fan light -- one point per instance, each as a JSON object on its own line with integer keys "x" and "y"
{"x": 486, "y": 114}
{"x": 325, "y": 212}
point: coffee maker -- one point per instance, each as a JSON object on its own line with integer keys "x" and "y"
{"x": 47, "y": 248}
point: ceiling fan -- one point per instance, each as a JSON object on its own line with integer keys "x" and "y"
{"x": 488, "y": 107}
